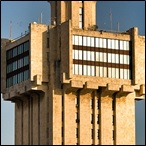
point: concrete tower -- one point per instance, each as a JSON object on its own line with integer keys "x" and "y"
{"x": 72, "y": 83}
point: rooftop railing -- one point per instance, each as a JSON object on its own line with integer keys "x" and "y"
{"x": 94, "y": 28}
{"x": 22, "y": 35}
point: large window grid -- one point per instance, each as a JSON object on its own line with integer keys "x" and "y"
{"x": 17, "y": 64}
{"x": 101, "y": 57}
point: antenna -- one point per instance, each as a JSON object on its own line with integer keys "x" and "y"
{"x": 10, "y": 30}
{"x": 41, "y": 17}
{"x": 118, "y": 25}
{"x": 38, "y": 20}
{"x": 110, "y": 19}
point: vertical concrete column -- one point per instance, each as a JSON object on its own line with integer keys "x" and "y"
{"x": 106, "y": 117}
{"x": 96, "y": 127}
{"x": 18, "y": 123}
{"x": 69, "y": 118}
{"x": 125, "y": 119}
{"x": 48, "y": 122}
{"x": 35, "y": 119}
{"x": 85, "y": 120}
{"x": 25, "y": 121}
{"x": 57, "y": 121}
{"x": 50, "y": 110}
{"x": 94, "y": 118}
{"x": 31, "y": 119}
{"x": 89, "y": 13}
{"x": 43, "y": 116}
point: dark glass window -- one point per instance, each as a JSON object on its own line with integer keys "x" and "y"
{"x": 113, "y": 135}
{"x": 17, "y": 61}
{"x": 98, "y": 133}
{"x": 98, "y": 118}
{"x": 92, "y": 118}
{"x": 113, "y": 103}
{"x": 77, "y": 132}
{"x": 62, "y": 132}
{"x": 113, "y": 118}
{"x": 92, "y": 133}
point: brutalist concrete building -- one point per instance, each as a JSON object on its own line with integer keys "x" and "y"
{"x": 72, "y": 83}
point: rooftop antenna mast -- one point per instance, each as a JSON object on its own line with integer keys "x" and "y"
{"x": 10, "y": 30}
{"x": 118, "y": 25}
{"x": 110, "y": 14}
{"x": 41, "y": 17}
{"x": 38, "y": 20}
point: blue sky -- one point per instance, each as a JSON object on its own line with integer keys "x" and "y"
{"x": 128, "y": 13}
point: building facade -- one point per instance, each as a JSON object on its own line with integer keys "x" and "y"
{"x": 72, "y": 83}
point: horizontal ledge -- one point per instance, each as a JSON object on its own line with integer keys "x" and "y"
{"x": 113, "y": 87}
{"x": 76, "y": 84}
{"x": 91, "y": 85}
{"x": 127, "y": 88}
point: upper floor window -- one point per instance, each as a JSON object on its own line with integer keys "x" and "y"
{"x": 17, "y": 64}
{"x": 101, "y": 57}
